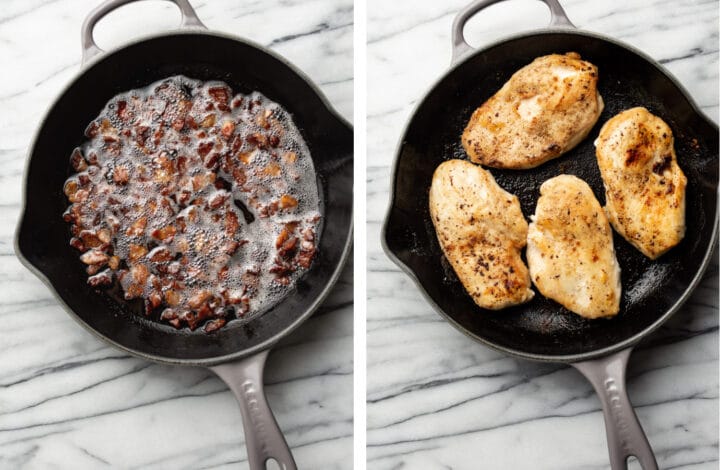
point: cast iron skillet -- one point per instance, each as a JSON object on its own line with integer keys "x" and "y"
{"x": 237, "y": 352}
{"x": 542, "y": 330}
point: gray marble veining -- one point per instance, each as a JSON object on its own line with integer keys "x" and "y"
{"x": 68, "y": 400}
{"x": 436, "y": 399}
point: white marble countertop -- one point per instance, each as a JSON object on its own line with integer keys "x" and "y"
{"x": 438, "y": 400}
{"x": 68, "y": 400}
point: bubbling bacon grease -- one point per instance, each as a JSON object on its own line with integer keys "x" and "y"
{"x": 202, "y": 202}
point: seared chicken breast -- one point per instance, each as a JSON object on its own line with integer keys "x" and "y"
{"x": 644, "y": 186}
{"x": 570, "y": 249}
{"x": 544, "y": 110}
{"x": 481, "y": 230}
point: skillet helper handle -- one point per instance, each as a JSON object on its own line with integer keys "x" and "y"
{"x": 263, "y": 438}
{"x": 558, "y": 18}
{"x": 189, "y": 19}
{"x": 625, "y": 435}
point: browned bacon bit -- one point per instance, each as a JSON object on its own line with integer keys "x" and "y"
{"x": 77, "y": 243}
{"x": 213, "y": 325}
{"x": 81, "y": 195}
{"x": 266, "y": 211}
{"x": 239, "y": 177}
{"x": 137, "y": 228}
{"x": 281, "y": 268}
{"x": 92, "y": 130}
{"x": 209, "y": 121}
{"x": 282, "y": 238}
{"x": 104, "y": 235}
{"x": 288, "y": 248}
{"x": 194, "y": 319}
{"x": 199, "y": 299}
{"x": 211, "y": 161}
{"x": 120, "y": 175}
{"x": 160, "y": 254}
{"x": 191, "y": 122}
{"x": 90, "y": 239}
{"x": 221, "y": 95}
{"x": 258, "y": 140}
{"x": 78, "y": 161}
{"x": 231, "y": 247}
{"x": 93, "y": 269}
{"x": 101, "y": 279}
{"x": 178, "y": 123}
{"x": 122, "y": 110}
{"x": 232, "y": 223}
{"x": 262, "y": 119}
{"x": 218, "y": 199}
{"x": 153, "y": 301}
{"x": 289, "y": 157}
{"x": 181, "y": 197}
{"x": 94, "y": 257}
{"x": 168, "y": 314}
{"x": 136, "y": 252}
{"x": 172, "y": 298}
{"x": 204, "y": 148}
{"x": 228, "y": 128}
{"x": 139, "y": 273}
{"x": 287, "y": 202}
{"x": 305, "y": 257}
{"x": 71, "y": 187}
{"x": 222, "y": 273}
{"x": 92, "y": 159}
{"x": 307, "y": 248}
{"x": 165, "y": 234}
{"x": 272, "y": 169}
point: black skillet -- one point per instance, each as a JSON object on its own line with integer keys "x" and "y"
{"x": 542, "y": 330}
{"x": 237, "y": 352}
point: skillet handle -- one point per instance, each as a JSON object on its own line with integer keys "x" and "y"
{"x": 189, "y": 19}
{"x": 625, "y": 436}
{"x": 461, "y": 48}
{"x": 263, "y": 438}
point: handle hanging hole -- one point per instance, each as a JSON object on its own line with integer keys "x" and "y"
{"x": 122, "y": 25}
{"x": 633, "y": 463}
{"x": 505, "y": 18}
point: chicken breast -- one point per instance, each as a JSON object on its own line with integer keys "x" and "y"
{"x": 644, "y": 186}
{"x": 544, "y": 110}
{"x": 481, "y": 230}
{"x": 570, "y": 249}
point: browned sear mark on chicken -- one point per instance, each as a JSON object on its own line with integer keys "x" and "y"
{"x": 660, "y": 167}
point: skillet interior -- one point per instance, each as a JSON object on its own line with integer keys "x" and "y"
{"x": 542, "y": 329}
{"x": 43, "y": 236}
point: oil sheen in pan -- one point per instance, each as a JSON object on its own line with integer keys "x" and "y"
{"x": 258, "y": 228}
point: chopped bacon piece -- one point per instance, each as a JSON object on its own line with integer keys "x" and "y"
{"x": 173, "y": 181}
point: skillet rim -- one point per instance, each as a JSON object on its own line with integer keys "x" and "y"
{"x": 561, "y": 358}
{"x": 204, "y": 362}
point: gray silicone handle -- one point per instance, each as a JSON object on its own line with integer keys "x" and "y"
{"x": 90, "y": 49}
{"x": 263, "y": 437}
{"x": 625, "y": 436}
{"x": 461, "y": 48}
